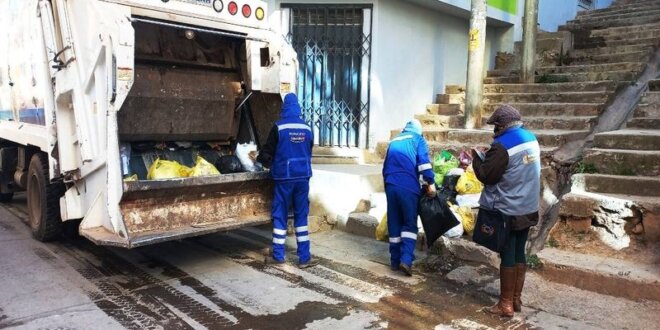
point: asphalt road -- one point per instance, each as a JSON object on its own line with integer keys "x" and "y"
{"x": 220, "y": 281}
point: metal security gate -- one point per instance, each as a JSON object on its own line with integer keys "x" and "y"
{"x": 333, "y": 43}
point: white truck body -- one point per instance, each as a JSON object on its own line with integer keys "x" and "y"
{"x": 79, "y": 77}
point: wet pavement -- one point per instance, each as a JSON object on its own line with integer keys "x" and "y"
{"x": 216, "y": 281}
{"x": 220, "y": 281}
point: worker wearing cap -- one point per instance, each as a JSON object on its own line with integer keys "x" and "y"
{"x": 407, "y": 158}
{"x": 288, "y": 154}
{"x": 511, "y": 173}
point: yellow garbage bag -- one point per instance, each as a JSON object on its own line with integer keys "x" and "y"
{"x": 468, "y": 183}
{"x": 167, "y": 169}
{"x": 467, "y": 217}
{"x": 381, "y": 230}
{"x": 133, "y": 177}
{"x": 203, "y": 168}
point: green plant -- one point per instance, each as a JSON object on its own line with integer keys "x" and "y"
{"x": 552, "y": 242}
{"x": 550, "y": 79}
{"x": 586, "y": 168}
{"x": 534, "y": 262}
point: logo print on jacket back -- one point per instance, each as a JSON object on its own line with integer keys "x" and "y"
{"x": 297, "y": 137}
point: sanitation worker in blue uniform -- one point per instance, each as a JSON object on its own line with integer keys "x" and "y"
{"x": 288, "y": 154}
{"x": 407, "y": 159}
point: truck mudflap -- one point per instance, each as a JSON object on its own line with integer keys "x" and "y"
{"x": 163, "y": 210}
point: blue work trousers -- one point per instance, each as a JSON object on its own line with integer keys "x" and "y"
{"x": 287, "y": 194}
{"x": 401, "y": 224}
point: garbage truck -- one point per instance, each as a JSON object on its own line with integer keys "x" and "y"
{"x": 93, "y": 92}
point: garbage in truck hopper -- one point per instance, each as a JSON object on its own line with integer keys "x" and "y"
{"x": 171, "y": 160}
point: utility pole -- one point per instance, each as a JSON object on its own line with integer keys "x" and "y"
{"x": 529, "y": 41}
{"x": 476, "y": 52}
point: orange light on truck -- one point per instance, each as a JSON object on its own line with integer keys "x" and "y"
{"x": 259, "y": 13}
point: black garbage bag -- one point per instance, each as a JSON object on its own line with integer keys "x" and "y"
{"x": 450, "y": 182}
{"x": 436, "y": 217}
{"x": 229, "y": 164}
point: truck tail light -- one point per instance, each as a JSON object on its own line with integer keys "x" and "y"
{"x": 246, "y": 10}
{"x": 259, "y": 13}
{"x": 232, "y": 7}
{"x": 218, "y": 6}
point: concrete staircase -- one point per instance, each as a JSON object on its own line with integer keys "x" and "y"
{"x": 613, "y": 209}
{"x": 609, "y": 226}
{"x": 581, "y": 68}
{"x": 612, "y": 213}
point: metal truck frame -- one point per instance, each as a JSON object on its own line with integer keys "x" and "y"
{"x": 78, "y": 77}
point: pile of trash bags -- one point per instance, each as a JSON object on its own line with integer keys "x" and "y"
{"x": 458, "y": 190}
{"x": 449, "y": 213}
{"x": 149, "y": 161}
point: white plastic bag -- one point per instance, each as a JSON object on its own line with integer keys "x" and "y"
{"x": 458, "y": 230}
{"x": 471, "y": 200}
{"x": 243, "y": 153}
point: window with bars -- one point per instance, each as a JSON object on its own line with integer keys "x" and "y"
{"x": 333, "y": 43}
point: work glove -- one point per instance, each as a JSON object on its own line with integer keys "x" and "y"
{"x": 430, "y": 191}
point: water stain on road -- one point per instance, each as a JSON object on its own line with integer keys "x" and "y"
{"x": 146, "y": 288}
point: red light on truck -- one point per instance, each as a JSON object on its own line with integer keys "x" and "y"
{"x": 233, "y": 8}
{"x": 247, "y": 11}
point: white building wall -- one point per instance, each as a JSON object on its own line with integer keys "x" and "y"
{"x": 416, "y": 52}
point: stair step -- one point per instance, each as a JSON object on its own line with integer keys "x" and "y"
{"x": 647, "y": 111}
{"x": 633, "y": 139}
{"x": 502, "y": 80}
{"x": 629, "y": 30}
{"x": 589, "y": 68}
{"x": 454, "y": 89}
{"x": 623, "y": 161}
{"x": 440, "y": 121}
{"x": 617, "y": 10}
{"x": 647, "y": 11}
{"x": 617, "y": 184}
{"x": 594, "y": 43}
{"x": 555, "y": 97}
{"x": 444, "y": 109}
{"x": 361, "y": 224}
{"x": 589, "y": 86}
{"x": 551, "y": 109}
{"x": 456, "y": 147}
{"x": 610, "y": 276}
{"x": 612, "y": 225}
{"x": 624, "y": 75}
{"x": 547, "y": 138}
{"x": 654, "y": 85}
{"x": 560, "y": 123}
{"x": 650, "y": 98}
{"x": 608, "y": 23}
{"x": 638, "y": 34}
{"x": 609, "y": 58}
{"x": 609, "y": 50}
{"x": 644, "y": 123}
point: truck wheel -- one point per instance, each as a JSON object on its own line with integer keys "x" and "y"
{"x": 43, "y": 200}
{"x": 6, "y": 197}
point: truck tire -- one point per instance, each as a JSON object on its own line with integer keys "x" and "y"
{"x": 43, "y": 200}
{"x": 6, "y": 197}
